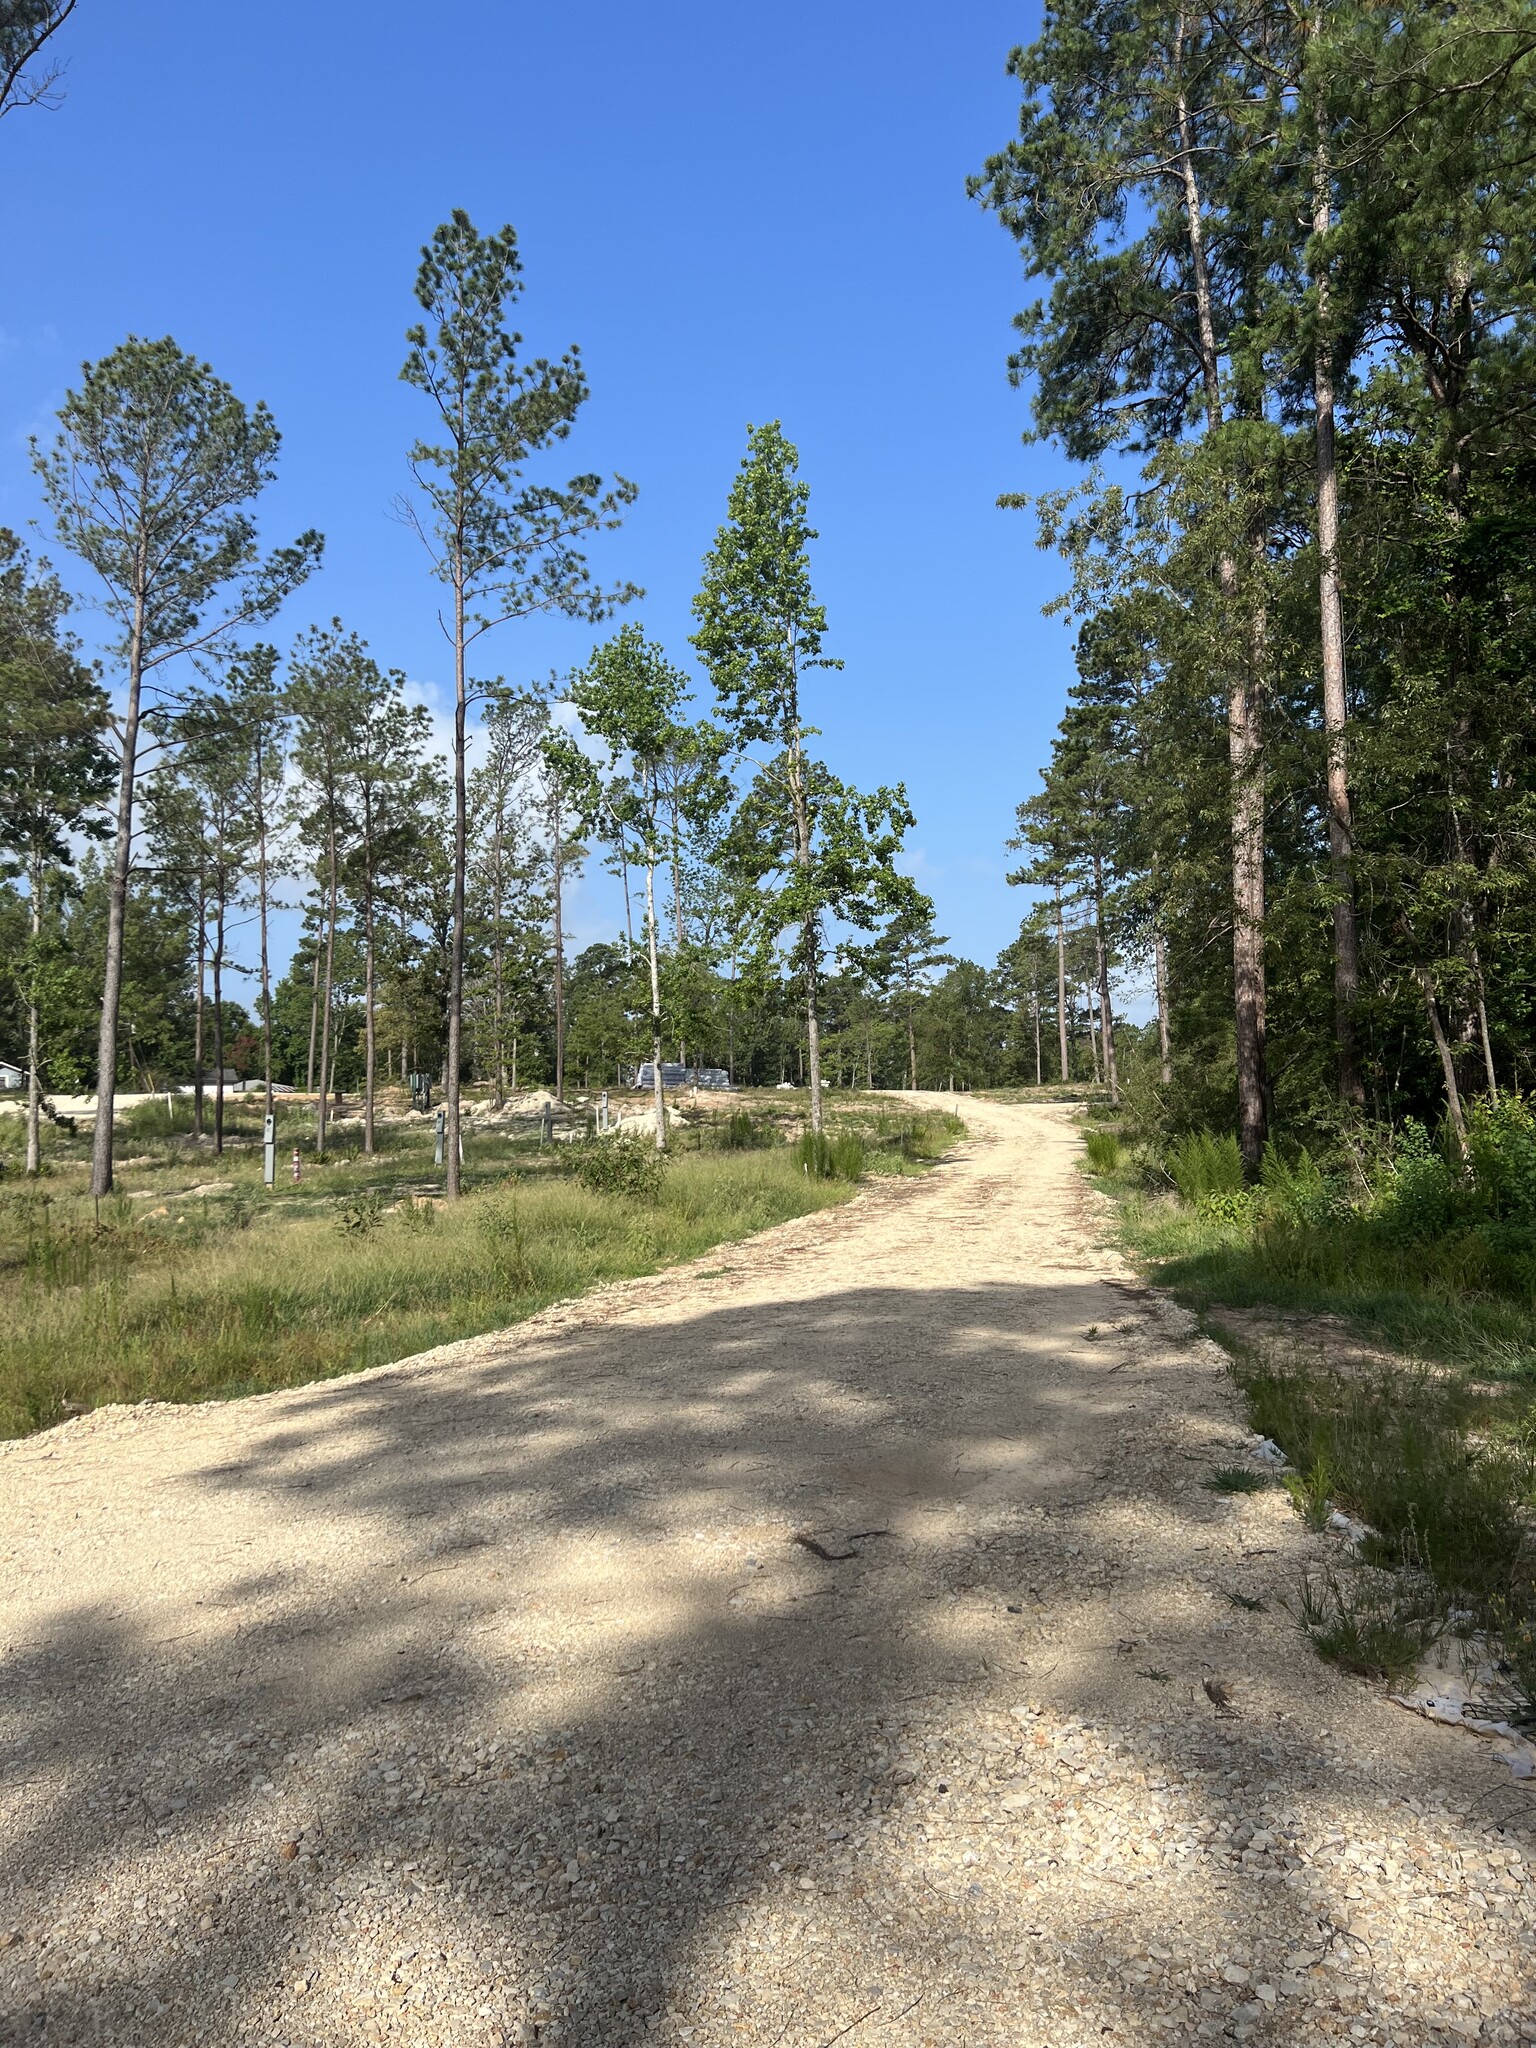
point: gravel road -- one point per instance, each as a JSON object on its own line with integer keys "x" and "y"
{"x": 806, "y": 1646}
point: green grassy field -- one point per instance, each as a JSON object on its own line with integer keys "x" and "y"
{"x": 193, "y": 1280}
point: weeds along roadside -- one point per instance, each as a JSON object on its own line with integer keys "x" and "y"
{"x": 1423, "y": 1428}
{"x": 209, "y": 1285}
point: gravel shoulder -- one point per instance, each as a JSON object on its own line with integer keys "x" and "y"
{"x": 808, "y": 1645}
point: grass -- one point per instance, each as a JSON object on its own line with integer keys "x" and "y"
{"x": 1431, "y": 1446}
{"x": 185, "y": 1295}
{"x": 1103, "y": 1149}
{"x": 1236, "y": 1479}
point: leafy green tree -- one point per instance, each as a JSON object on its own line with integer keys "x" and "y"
{"x": 387, "y": 776}
{"x": 760, "y": 631}
{"x": 898, "y": 964}
{"x": 663, "y": 768}
{"x": 1122, "y": 189}
{"x": 261, "y": 719}
{"x": 54, "y": 772}
{"x": 148, "y": 481}
{"x": 508, "y": 866}
{"x": 332, "y": 679}
{"x": 506, "y": 547}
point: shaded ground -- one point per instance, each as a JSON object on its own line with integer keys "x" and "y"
{"x": 491, "y": 1697}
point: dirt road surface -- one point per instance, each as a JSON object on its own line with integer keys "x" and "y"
{"x": 804, "y": 1647}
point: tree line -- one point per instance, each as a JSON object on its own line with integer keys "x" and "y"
{"x": 1282, "y": 260}
{"x": 156, "y": 806}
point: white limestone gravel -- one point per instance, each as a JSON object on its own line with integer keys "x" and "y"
{"x": 489, "y": 1698}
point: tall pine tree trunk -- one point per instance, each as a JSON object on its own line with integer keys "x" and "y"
{"x": 314, "y": 1014}
{"x": 330, "y": 982}
{"x": 117, "y": 912}
{"x": 1244, "y": 717}
{"x": 1346, "y": 950}
{"x": 810, "y": 923}
{"x": 370, "y": 1043}
{"x": 1160, "y": 976}
{"x": 559, "y": 960}
{"x": 261, "y": 901}
{"x": 34, "y": 1032}
{"x": 498, "y": 955}
{"x": 199, "y": 1034}
{"x": 218, "y": 1016}
{"x": 460, "y": 860}
{"x": 1106, "y": 1007}
{"x": 650, "y": 935}
{"x": 1061, "y": 991}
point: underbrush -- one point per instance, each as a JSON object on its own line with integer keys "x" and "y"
{"x": 1433, "y": 1450}
{"x": 130, "y": 1312}
{"x": 196, "y": 1281}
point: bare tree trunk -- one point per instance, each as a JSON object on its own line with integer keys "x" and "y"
{"x": 370, "y": 1046}
{"x": 811, "y": 927}
{"x": 1245, "y": 748}
{"x": 1061, "y": 991}
{"x": 1093, "y": 1036}
{"x": 1106, "y": 1007}
{"x": 325, "y": 1007}
{"x": 1482, "y": 1025}
{"x": 314, "y": 1019}
{"x": 1039, "y": 1068}
{"x": 1244, "y": 726}
{"x": 198, "y": 1033}
{"x": 1346, "y": 951}
{"x": 218, "y": 1020}
{"x": 34, "y": 1033}
{"x": 650, "y": 935}
{"x": 559, "y": 962}
{"x": 911, "y": 1046}
{"x": 498, "y": 971}
{"x": 451, "y": 1140}
{"x": 261, "y": 897}
{"x": 117, "y": 913}
{"x": 1447, "y": 1059}
{"x": 1160, "y": 975}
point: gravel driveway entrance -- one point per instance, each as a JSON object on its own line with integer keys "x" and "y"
{"x": 804, "y": 1647}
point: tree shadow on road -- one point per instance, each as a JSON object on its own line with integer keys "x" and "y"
{"x": 512, "y": 1707}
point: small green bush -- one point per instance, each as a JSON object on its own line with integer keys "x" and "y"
{"x": 357, "y": 1215}
{"x": 1374, "y": 1627}
{"x": 1294, "y": 1191}
{"x": 622, "y": 1166}
{"x": 742, "y": 1133}
{"x": 1421, "y": 1196}
{"x": 1226, "y": 1205}
{"x": 1236, "y": 1479}
{"x": 1103, "y": 1151}
{"x": 834, "y": 1158}
{"x": 1203, "y": 1164}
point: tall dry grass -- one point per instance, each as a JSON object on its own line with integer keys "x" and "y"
{"x": 253, "y": 1297}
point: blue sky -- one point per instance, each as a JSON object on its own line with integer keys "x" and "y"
{"x": 739, "y": 215}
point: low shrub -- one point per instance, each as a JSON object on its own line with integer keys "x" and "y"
{"x": 1103, "y": 1148}
{"x": 1236, "y": 1479}
{"x": 622, "y": 1166}
{"x": 741, "y": 1132}
{"x": 1204, "y": 1164}
{"x": 1374, "y": 1626}
{"x": 840, "y": 1157}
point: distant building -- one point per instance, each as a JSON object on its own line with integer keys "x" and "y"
{"x": 12, "y": 1076}
{"x": 675, "y": 1075}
